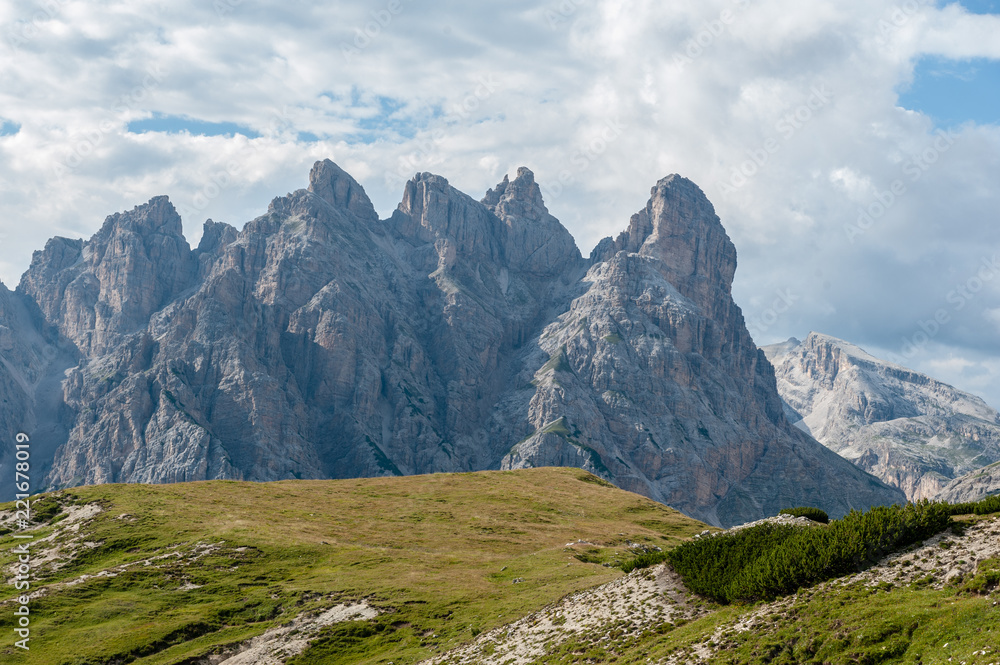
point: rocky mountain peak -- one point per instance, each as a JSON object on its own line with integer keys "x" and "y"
{"x": 535, "y": 241}
{"x": 58, "y": 254}
{"x": 157, "y": 217}
{"x": 215, "y": 236}
{"x": 335, "y": 186}
{"x": 432, "y": 211}
{"x": 907, "y": 428}
{"x": 96, "y": 292}
{"x": 679, "y": 226}
{"x": 522, "y": 193}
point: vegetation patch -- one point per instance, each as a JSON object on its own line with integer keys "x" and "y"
{"x": 588, "y": 477}
{"x": 987, "y": 506}
{"x": 382, "y": 459}
{"x": 558, "y": 362}
{"x": 770, "y": 560}
{"x": 814, "y": 514}
{"x": 987, "y": 578}
{"x": 187, "y": 571}
{"x": 644, "y": 560}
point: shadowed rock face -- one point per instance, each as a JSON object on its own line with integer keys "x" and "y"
{"x": 908, "y": 429}
{"x": 32, "y": 368}
{"x": 321, "y": 342}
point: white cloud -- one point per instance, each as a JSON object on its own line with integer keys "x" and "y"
{"x": 478, "y": 89}
{"x": 993, "y": 316}
{"x": 857, "y": 187}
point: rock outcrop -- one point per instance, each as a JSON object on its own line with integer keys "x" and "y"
{"x": 973, "y": 486}
{"x": 15, "y": 361}
{"x": 908, "y": 429}
{"x": 32, "y": 367}
{"x": 322, "y": 342}
{"x": 97, "y": 292}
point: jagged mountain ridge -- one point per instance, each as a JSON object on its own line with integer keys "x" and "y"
{"x": 320, "y": 341}
{"x": 906, "y": 428}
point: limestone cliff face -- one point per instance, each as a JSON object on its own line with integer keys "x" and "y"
{"x": 652, "y": 379}
{"x": 97, "y": 292}
{"x": 908, "y": 429}
{"x": 32, "y": 366}
{"x": 15, "y": 361}
{"x": 973, "y": 486}
{"x": 322, "y": 342}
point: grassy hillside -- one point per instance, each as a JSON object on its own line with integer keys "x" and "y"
{"x": 171, "y": 573}
{"x": 935, "y": 603}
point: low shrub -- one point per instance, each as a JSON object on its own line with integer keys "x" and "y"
{"x": 772, "y": 560}
{"x": 815, "y": 514}
{"x": 644, "y": 560}
{"x": 987, "y": 506}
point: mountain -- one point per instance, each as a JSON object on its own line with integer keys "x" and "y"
{"x": 908, "y": 429}
{"x": 322, "y": 342}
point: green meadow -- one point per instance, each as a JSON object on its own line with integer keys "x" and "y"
{"x": 174, "y": 573}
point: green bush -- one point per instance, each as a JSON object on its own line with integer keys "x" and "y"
{"x": 772, "y": 560}
{"x": 815, "y": 514}
{"x": 987, "y": 506}
{"x": 644, "y": 560}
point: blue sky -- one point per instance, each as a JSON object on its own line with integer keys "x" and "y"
{"x": 952, "y": 92}
{"x": 797, "y": 119}
{"x": 981, "y": 6}
{"x": 174, "y": 124}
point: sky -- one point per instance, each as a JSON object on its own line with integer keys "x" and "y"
{"x": 851, "y": 147}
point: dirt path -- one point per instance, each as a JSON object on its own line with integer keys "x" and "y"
{"x": 630, "y": 605}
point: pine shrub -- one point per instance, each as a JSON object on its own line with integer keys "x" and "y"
{"x": 987, "y": 506}
{"x": 771, "y": 560}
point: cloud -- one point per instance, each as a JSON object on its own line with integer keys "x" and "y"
{"x": 786, "y": 113}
